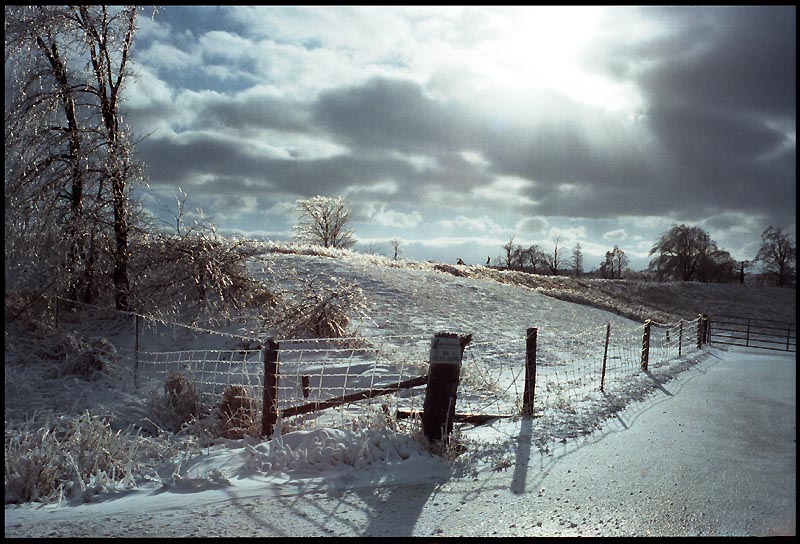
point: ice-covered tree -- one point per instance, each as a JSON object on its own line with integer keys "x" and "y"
{"x": 687, "y": 253}
{"x": 324, "y": 221}
{"x": 778, "y": 254}
{"x": 69, "y": 163}
{"x": 577, "y": 259}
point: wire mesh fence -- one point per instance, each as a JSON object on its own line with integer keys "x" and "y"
{"x": 331, "y": 381}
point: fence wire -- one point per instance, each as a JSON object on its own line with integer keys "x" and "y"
{"x": 320, "y": 370}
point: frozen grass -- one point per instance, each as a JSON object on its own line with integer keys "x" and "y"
{"x": 61, "y": 457}
{"x": 90, "y": 446}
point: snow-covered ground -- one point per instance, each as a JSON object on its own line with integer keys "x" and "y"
{"x": 511, "y": 477}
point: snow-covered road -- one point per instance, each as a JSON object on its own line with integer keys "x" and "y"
{"x": 712, "y": 452}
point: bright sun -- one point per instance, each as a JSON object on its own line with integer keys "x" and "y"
{"x": 541, "y": 48}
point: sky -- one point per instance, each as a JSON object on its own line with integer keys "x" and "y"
{"x": 455, "y": 128}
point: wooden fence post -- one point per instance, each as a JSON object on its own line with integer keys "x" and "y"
{"x": 269, "y": 414}
{"x": 646, "y": 345}
{"x": 136, "y": 351}
{"x": 530, "y": 371}
{"x": 438, "y": 412}
{"x": 706, "y": 329}
{"x": 700, "y": 331}
{"x": 680, "y": 337}
{"x": 605, "y": 357}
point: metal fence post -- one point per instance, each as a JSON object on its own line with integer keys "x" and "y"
{"x": 646, "y": 345}
{"x": 269, "y": 414}
{"x": 605, "y": 357}
{"x": 530, "y": 371}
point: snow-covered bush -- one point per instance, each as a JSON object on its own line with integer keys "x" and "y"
{"x": 195, "y": 272}
{"x": 237, "y": 411}
{"x": 88, "y": 359}
{"x": 179, "y": 405}
{"x": 321, "y": 311}
{"x": 66, "y": 456}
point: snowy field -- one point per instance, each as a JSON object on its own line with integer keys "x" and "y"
{"x": 339, "y": 473}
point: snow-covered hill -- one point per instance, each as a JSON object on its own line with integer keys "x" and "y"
{"x": 407, "y": 304}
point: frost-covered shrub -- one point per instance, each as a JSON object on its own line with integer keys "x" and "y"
{"x": 237, "y": 412}
{"x": 179, "y": 405}
{"x": 449, "y": 269}
{"x": 195, "y": 271}
{"x": 87, "y": 359}
{"x": 321, "y": 311}
{"x": 64, "y": 457}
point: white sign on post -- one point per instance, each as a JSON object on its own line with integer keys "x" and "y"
{"x": 446, "y": 351}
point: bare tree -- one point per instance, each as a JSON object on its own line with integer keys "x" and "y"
{"x": 778, "y": 254}
{"x": 324, "y": 220}
{"x": 688, "y": 253}
{"x": 508, "y": 248}
{"x": 616, "y": 262}
{"x": 395, "y": 243}
{"x": 577, "y": 259}
{"x": 109, "y": 36}
{"x": 554, "y": 261}
{"x": 65, "y": 134}
{"x": 45, "y": 161}
{"x": 535, "y": 257}
{"x": 620, "y": 259}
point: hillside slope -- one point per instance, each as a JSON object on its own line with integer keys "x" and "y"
{"x": 637, "y": 300}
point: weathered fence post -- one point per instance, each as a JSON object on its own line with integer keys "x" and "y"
{"x": 270, "y": 411}
{"x": 680, "y": 337}
{"x": 747, "y": 340}
{"x": 136, "y": 351}
{"x": 700, "y": 331}
{"x": 605, "y": 357}
{"x": 707, "y": 328}
{"x": 646, "y": 345}
{"x": 530, "y": 371}
{"x": 438, "y": 412}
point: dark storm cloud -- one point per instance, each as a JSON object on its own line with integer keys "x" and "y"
{"x": 742, "y": 60}
{"x": 394, "y": 114}
{"x": 718, "y": 94}
{"x": 719, "y": 108}
{"x": 217, "y": 165}
{"x": 254, "y": 112}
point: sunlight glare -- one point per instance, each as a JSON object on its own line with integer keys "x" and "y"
{"x": 541, "y": 48}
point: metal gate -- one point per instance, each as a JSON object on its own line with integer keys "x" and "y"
{"x": 752, "y": 332}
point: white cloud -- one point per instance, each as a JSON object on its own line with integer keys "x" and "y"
{"x": 393, "y": 218}
{"x": 477, "y": 225}
{"x": 384, "y": 187}
{"x": 532, "y": 225}
{"x": 474, "y": 157}
{"x": 619, "y": 235}
{"x": 569, "y": 234}
{"x": 167, "y": 57}
{"x": 146, "y": 91}
{"x": 506, "y": 190}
